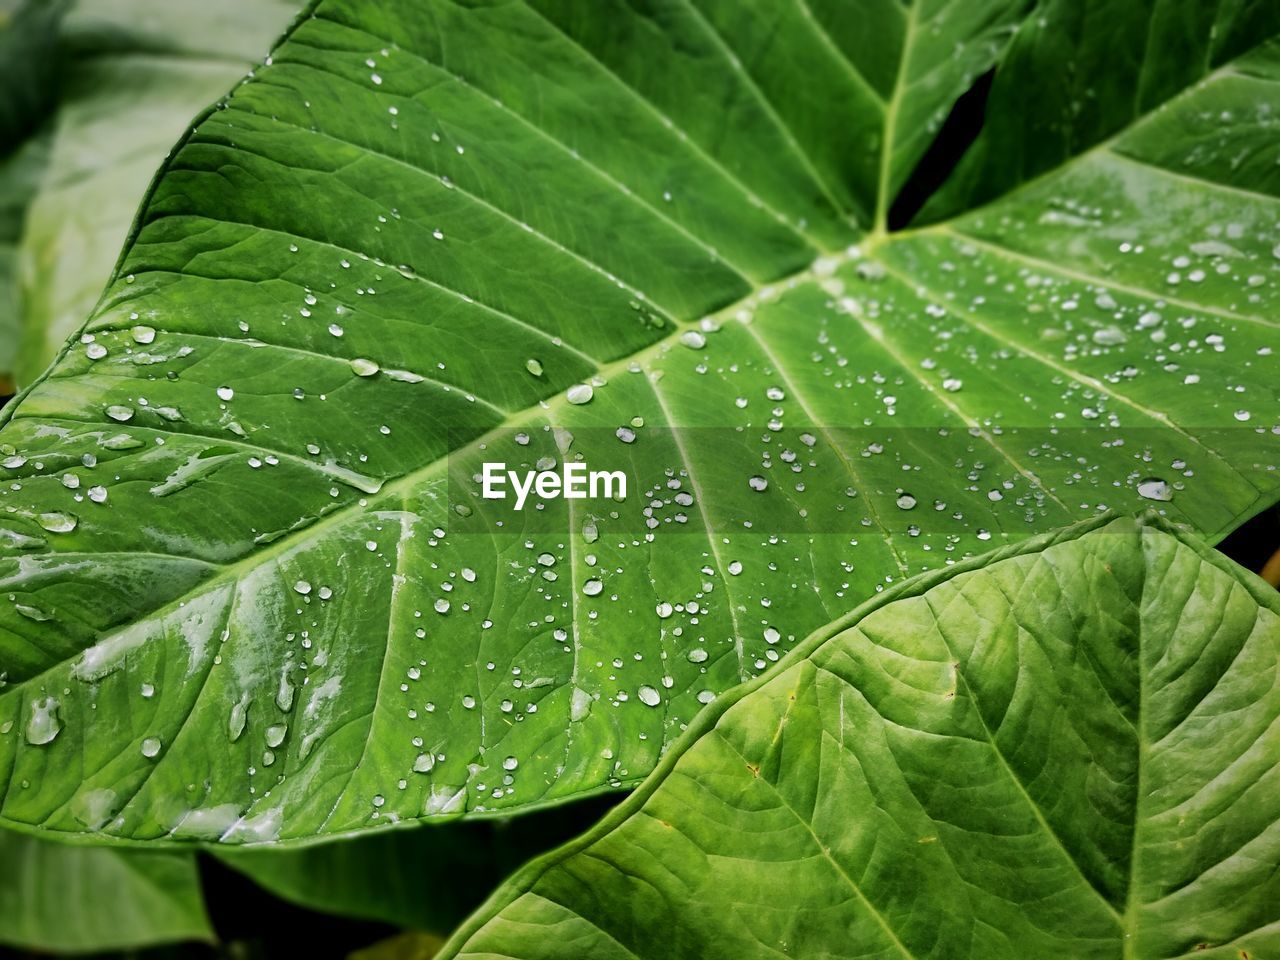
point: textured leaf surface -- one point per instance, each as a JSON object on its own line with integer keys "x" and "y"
{"x": 1068, "y": 752}
{"x": 241, "y": 508}
{"x": 71, "y": 899}
{"x": 135, "y": 73}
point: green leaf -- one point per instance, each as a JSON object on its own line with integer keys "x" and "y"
{"x": 404, "y": 946}
{"x": 70, "y": 899}
{"x": 20, "y": 174}
{"x": 135, "y": 72}
{"x": 249, "y": 486}
{"x": 1101, "y": 88}
{"x": 28, "y": 36}
{"x": 423, "y": 878}
{"x": 1067, "y": 749}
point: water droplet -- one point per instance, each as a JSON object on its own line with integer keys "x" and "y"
{"x": 906, "y": 501}
{"x": 32, "y": 612}
{"x": 302, "y": 587}
{"x": 151, "y": 747}
{"x": 424, "y": 763}
{"x": 1153, "y": 488}
{"x": 441, "y": 605}
{"x": 665, "y": 610}
{"x": 579, "y": 393}
{"x": 1109, "y": 336}
{"x": 120, "y": 413}
{"x": 56, "y": 522}
{"x": 592, "y": 588}
{"x": 275, "y": 734}
{"x": 533, "y": 366}
{"x": 225, "y": 393}
{"x": 44, "y": 724}
{"x": 362, "y": 367}
{"x": 238, "y": 718}
{"x": 758, "y": 483}
{"x": 143, "y": 334}
{"x": 693, "y": 339}
{"x": 649, "y": 696}
{"x": 579, "y": 704}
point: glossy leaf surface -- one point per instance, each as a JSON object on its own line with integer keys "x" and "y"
{"x": 1069, "y": 752}
{"x": 241, "y": 509}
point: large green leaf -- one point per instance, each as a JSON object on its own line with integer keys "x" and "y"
{"x": 241, "y": 507}
{"x": 71, "y": 899}
{"x": 134, "y": 73}
{"x": 1068, "y": 751}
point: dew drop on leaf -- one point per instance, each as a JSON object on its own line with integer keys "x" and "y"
{"x": 1153, "y": 488}
{"x": 579, "y": 393}
{"x": 44, "y": 723}
{"x": 57, "y": 522}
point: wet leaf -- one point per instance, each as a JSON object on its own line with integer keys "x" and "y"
{"x": 245, "y": 547}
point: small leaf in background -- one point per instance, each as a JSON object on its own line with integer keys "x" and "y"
{"x": 405, "y": 946}
{"x": 241, "y": 509}
{"x": 28, "y": 71}
{"x": 1065, "y": 750}
{"x": 133, "y": 75}
{"x": 61, "y": 898}
{"x": 424, "y": 878}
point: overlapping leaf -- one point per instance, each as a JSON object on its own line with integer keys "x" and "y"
{"x": 1069, "y": 751}
{"x": 132, "y": 75}
{"x": 241, "y": 508}
{"x": 73, "y": 899}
